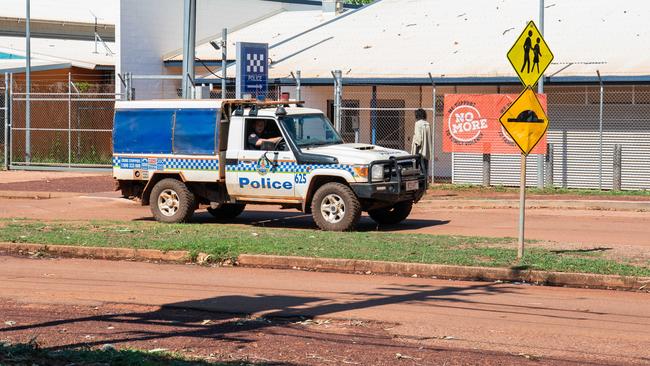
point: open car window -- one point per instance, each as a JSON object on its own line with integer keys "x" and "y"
{"x": 309, "y": 130}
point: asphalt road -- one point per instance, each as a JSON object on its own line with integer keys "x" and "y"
{"x": 549, "y": 324}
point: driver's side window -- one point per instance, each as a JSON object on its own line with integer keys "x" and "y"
{"x": 263, "y": 134}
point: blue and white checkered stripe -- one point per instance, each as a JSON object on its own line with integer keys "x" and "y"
{"x": 146, "y": 163}
{"x": 195, "y": 164}
{"x": 288, "y": 167}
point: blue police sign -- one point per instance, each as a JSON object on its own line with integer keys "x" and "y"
{"x": 252, "y": 69}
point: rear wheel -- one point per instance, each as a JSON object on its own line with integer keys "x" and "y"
{"x": 392, "y": 215}
{"x": 171, "y": 201}
{"x": 227, "y": 210}
{"x": 335, "y": 207}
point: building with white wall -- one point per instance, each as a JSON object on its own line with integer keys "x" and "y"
{"x": 150, "y": 32}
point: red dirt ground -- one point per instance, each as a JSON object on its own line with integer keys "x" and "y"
{"x": 365, "y": 320}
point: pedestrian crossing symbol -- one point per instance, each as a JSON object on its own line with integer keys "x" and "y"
{"x": 530, "y": 55}
{"x": 525, "y": 121}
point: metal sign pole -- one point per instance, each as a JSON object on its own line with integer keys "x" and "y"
{"x": 522, "y": 206}
{"x": 298, "y": 91}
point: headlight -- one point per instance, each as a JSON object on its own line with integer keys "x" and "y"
{"x": 377, "y": 173}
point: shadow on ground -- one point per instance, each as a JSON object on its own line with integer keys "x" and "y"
{"x": 186, "y": 319}
{"x": 298, "y": 220}
{"x": 272, "y": 309}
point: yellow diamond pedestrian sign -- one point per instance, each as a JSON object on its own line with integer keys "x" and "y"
{"x": 525, "y": 121}
{"x": 530, "y": 55}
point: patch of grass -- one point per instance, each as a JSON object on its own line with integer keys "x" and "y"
{"x": 31, "y": 354}
{"x": 223, "y": 242}
{"x": 542, "y": 191}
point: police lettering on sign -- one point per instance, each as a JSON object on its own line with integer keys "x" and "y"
{"x": 252, "y": 69}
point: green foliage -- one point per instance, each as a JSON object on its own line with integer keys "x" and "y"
{"x": 32, "y": 354}
{"x": 223, "y": 242}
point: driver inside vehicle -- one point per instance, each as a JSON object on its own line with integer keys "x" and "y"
{"x": 261, "y": 135}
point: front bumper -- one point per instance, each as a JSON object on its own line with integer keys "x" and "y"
{"x": 395, "y": 189}
{"x": 391, "y": 192}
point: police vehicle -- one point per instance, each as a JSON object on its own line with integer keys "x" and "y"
{"x": 179, "y": 155}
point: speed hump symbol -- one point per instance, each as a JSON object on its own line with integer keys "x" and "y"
{"x": 525, "y": 121}
{"x": 530, "y": 55}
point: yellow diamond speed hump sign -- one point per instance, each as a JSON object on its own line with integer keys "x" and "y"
{"x": 525, "y": 121}
{"x": 530, "y": 55}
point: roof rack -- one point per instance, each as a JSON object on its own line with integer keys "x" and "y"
{"x": 229, "y": 105}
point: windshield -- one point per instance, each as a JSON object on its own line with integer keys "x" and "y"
{"x": 308, "y": 130}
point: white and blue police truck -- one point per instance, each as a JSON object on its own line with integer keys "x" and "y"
{"x": 179, "y": 155}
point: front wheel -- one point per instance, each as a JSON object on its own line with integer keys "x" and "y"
{"x": 171, "y": 201}
{"x": 227, "y": 211}
{"x": 335, "y": 207}
{"x": 392, "y": 215}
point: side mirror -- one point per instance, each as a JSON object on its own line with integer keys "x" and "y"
{"x": 267, "y": 146}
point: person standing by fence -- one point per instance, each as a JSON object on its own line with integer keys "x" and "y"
{"x": 422, "y": 137}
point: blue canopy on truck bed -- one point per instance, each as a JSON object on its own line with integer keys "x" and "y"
{"x": 166, "y": 127}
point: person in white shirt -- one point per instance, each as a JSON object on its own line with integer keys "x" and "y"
{"x": 422, "y": 137}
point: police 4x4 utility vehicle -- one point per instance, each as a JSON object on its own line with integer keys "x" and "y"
{"x": 176, "y": 155}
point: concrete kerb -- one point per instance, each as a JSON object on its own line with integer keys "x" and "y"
{"x": 582, "y": 280}
{"x": 36, "y": 195}
{"x": 606, "y": 205}
{"x": 175, "y": 256}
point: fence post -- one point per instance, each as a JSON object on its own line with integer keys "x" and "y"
{"x": 432, "y": 163}
{"x": 10, "y": 101}
{"x": 69, "y": 119}
{"x": 224, "y": 61}
{"x": 373, "y": 116}
{"x": 600, "y": 133}
{"x": 298, "y": 95}
{"x": 565, "y": 159}
{"x": 131, "y": 90}
{"x": 548, "y": 169}
{"x": 618, "y": 158}
{"x": 486, "y": 169}
{"x": 337, "y": 99}
{"x": 6, "y": 123}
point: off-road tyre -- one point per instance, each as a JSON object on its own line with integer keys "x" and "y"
{"x": 179, "y": 202}
{"x": 335, "y": 207}
{"x": 392, "y": 215}
{"x": 227, "y": 211}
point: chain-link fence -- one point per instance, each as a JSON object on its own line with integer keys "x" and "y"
{"x": 385, "y": 116}
{"x": 594, "y": 140}
{"x": 4, "y": 117}
{"x": 146, "y": 87}
{"x": 68, "y": 124}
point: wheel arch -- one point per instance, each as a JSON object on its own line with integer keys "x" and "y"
{"x": 155, "y": 178}
{"x": 316, "y": 182}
